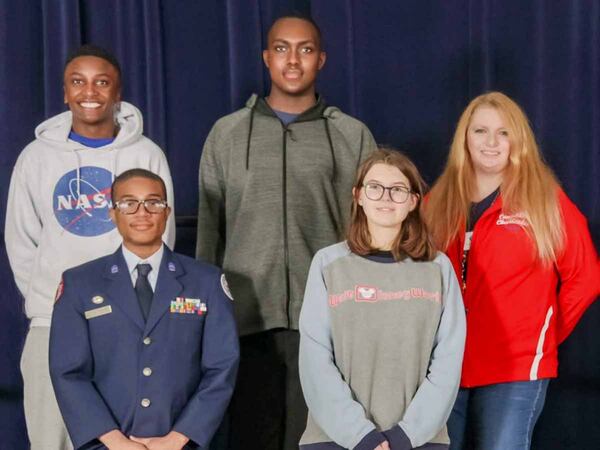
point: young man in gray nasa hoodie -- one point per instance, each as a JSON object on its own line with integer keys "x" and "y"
{"x": 275, "y": 187}
{"x": 57, "y": 212}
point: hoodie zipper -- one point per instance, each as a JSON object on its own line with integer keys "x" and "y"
{"x": 286, "y": 130}
{"x": 285, "y": 227}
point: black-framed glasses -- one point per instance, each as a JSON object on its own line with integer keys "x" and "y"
{"x": 131, "y": 206}
{"x": 375, "y": 191}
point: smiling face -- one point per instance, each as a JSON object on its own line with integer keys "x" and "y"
{"x": 488, "y": 141}
{"x": 142, "y": 232}
{"x": 92, "y": 89}
{"x": 293, "y": 57}
{"x": 385, "y": 214}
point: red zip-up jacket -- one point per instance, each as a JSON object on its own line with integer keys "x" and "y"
{"x": 518, "y": 311}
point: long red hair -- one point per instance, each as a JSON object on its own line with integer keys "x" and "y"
{"x": 528, "y": 186}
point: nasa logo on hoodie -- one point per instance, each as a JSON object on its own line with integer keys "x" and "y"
{"x": 82, "y": 207}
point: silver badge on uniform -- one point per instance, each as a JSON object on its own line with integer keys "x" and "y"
{"x": 97, "y": 300}
{"x": 225, "y": 287}
{"x": 114, "y": 269}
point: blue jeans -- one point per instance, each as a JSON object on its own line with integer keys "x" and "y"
{"x": 496, "y": 417}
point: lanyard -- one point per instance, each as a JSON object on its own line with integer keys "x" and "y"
{"x": 483, "y": 206}
{"x": 463, "y": 263}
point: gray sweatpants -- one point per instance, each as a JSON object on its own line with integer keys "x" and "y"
{"x": 45, "y": 426}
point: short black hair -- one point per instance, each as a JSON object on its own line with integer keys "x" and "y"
{"x": 98, "y": 52}
{"x": 137, "y": 173}
{"x": 302, "y": 16}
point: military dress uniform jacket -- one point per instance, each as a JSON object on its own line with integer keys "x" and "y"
{"x": 110, "y": 370}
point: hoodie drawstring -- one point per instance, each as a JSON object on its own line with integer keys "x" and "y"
{"x": 328, "y": 132}
{"x": 78, "y": 173}
{"x": 113, "y": 168}
{"x": 249, "y": 138}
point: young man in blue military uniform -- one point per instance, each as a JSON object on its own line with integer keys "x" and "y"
{"x": 143, "y": 343}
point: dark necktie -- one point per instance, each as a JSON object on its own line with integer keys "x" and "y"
{"x": 143, "y": 289}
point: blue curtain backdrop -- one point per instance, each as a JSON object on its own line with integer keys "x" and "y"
{"x": 406, "y": 68}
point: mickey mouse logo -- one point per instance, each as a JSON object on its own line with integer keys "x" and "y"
{"x": 366, "y": 294}
{"x": 81, "y": 204}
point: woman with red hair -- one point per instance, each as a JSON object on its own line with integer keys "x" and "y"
{"x": 527, "y": 266}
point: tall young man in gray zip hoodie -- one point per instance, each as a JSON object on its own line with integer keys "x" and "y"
{"x": 275, "y": 187}
{"x": 57, "y": 212}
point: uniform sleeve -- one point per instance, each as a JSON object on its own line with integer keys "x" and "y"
{"x": 220, "y": 357}
{"x": 23, "y": 227}
{"x": 578, "y": 268}
{"x": 164, "y": 172}
{"x": 210, "y": 243}
{"x": 71, "y": 367}
{"x": 430, "y": 408}
{"x": 328, "y": 396}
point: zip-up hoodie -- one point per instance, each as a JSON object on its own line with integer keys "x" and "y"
{"x": 58, "y": 203}
{"x": 518, "y": 310}
{"x": 271, "y": 196}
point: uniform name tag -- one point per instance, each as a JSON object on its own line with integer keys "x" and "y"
{"x": 97, "y": 312}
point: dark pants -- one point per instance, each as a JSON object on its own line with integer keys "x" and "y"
{"x": 496, "y": 417}
{"x": 267, "y": 410}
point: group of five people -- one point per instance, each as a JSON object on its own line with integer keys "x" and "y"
{"x": 360, "y": 349}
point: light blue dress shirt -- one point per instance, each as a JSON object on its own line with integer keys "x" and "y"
{"x": 133, "y": 260}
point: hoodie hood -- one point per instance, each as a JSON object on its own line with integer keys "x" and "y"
{"x": 319, "y": 111}
{"x": 315, "y": 112}
{"x": 55, "y": 131}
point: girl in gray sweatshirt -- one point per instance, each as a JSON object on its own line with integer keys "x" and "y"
{"x": 382, "y": 324}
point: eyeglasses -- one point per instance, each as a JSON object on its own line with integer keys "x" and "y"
{"x": 131, "y": 206}
{"x": 398, "y": 194}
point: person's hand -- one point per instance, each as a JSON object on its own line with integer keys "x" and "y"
{"x": 115, "y": 440}
{"x": 383, "y": 446}
{"x": 129, "y": 445}
{"x": 171, "y": 441}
